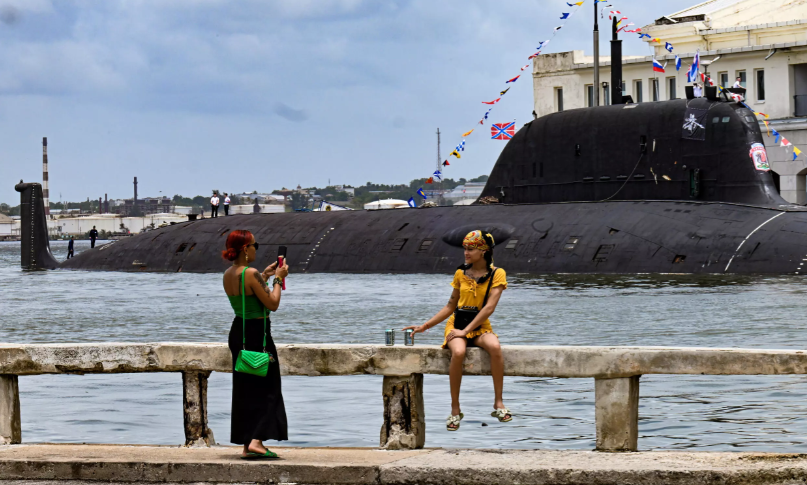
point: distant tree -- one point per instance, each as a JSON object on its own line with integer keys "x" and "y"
{"x": 481, "y": 178}
{"x": 299, "y": 201}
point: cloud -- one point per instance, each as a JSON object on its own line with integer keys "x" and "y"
{"x": 289, "y": 113}
{"x": 188, "y": 83}
{"x": 9, "y": 14}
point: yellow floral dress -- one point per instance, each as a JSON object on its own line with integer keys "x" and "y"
{"x": 473, "y": 294}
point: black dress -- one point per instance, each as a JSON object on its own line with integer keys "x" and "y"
{"x": 258, "y": 411}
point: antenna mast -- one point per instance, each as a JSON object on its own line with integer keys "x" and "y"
{"x": 596, "y": 58}
{"x": 438, "y": 167}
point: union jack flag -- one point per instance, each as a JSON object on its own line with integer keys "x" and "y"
{"x": 502, "y": 131}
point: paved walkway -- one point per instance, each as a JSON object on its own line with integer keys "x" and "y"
{"x": 43, "y": 464}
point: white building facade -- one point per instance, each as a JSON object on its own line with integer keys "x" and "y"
{"x": 763, "y": 42}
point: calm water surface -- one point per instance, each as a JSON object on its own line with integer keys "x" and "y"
{"x": 676, "y": 412}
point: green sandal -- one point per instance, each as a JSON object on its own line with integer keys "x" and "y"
{"x": 257, "y": 456}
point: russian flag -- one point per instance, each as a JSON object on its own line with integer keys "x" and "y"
{"x": 657, "y": 66}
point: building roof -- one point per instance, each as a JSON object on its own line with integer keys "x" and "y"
{"x": 4, "y": 219}
{"x": 704, "y": 8}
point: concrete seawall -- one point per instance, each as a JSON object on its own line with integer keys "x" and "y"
{"x": 326, "y": 466}
{"x": 616, "y": 373}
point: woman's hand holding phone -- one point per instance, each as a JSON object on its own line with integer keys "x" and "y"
{"x": 270, "y": 271}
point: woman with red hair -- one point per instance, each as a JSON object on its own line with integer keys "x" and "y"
{"x": 258, "y": 412}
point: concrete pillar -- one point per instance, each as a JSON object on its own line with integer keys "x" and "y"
{"x": 404, "y": 425}
{"x": 194, "y": 408}
{"x": 10, "y": 427}
{"x": 616, "y": 413}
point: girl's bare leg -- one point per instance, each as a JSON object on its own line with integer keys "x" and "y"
{"x": 457, "y": 347}
{"x": 490, "y": 344}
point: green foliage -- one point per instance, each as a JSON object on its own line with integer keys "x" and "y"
{"x": 481, "y": 178}
{"x": 335, "y": 194}
{"x": 8, "y": 210}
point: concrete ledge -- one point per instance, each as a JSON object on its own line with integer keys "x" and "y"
{"x": 142, "y": 464}
{"x": 333, "y": 359}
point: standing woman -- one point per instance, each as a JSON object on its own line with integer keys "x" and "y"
{"x": 478, "y": 285}
{"x": 258, "y": 412}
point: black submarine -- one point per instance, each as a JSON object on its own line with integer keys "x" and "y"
{"x": 676, "y": 186}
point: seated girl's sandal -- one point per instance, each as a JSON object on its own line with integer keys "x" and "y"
{"x": 503, "y": 415}
{"x": 453, "y": 422}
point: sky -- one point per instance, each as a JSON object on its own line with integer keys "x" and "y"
{"x": 195, "y": 95}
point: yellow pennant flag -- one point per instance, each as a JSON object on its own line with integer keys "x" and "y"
{"x": 767, "y": 127}
{"x": 578, "y": 3}
{"x": 456, "y": 154}
{"x": 796, "y": 151}
{"x": 468, "y": 133}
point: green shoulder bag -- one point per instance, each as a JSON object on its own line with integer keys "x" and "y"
{"x": 249, "y": 362}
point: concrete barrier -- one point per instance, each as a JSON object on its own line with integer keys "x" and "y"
{"x": 616, "y": 371}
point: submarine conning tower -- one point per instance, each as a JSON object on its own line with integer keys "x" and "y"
{"x": 35, "y": 248}
{"x": 645, "y": 151}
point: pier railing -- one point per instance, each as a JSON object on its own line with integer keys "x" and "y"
{"x": 615, "y": 370}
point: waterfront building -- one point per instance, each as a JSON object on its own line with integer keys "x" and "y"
{"x": 8, "y": 228}
{"x": 763, "y": 42}
{"x": 470, "y": 190}
{"x": 145, "y": 206}
{"x": 262, "y": 208}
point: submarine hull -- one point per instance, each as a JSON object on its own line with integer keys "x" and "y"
{"x": 606, "y": 237}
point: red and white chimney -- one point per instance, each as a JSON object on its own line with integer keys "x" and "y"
{"x": 45, "y": 192}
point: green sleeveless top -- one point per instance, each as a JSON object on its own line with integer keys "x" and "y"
{"x": 249, "y": 304}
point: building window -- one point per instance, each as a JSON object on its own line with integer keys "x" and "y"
{"x": 760, "y": 84}
{"x": 741, "y": 75}
{"x": 624, "y": 88}
{"x": 606, "y": 95}
{"x": 654, "y": 89}
{"x": 589, "y": 95}
{"x": 671, "y": 87}
{"x": 637, "y": 89}
{"x": 723, "y": 78}
{"x": 559, "y": 99}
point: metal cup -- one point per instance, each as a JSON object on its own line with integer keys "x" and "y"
{"x": 390, "y": 337}
{"x": 409, "y": 337}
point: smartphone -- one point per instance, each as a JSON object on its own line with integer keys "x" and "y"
{"x": 281, "y": 257}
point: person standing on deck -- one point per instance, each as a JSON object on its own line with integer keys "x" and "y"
{"x": 226, "y": 204}
{"x": 70, "y": 248}
{"x": 93, "y": 236}
{"x": 214, "y": 205}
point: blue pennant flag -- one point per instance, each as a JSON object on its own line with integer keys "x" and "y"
{"x": 421, "y": 193}
{"x": 642, "y": 36}
{"x": 694, "y": 69}
{"x": 564, "y": 16}
{"x": 776, "y": 134}
{"x": 668, "y": 46}
{"x": 677, "y": 63}
{"x": 412, "y": 202}
{"x": 438, "y": 175}
{"x": 795, "y": 156}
